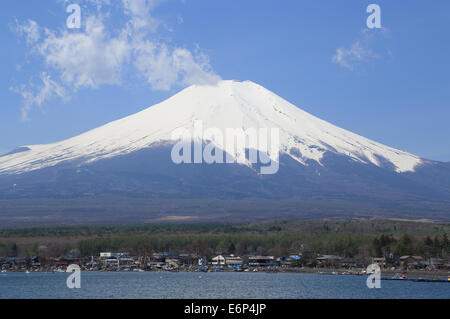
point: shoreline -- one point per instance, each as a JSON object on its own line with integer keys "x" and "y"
{"x": 385, "y": 275}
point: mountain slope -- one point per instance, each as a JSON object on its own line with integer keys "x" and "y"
{"x": 229, "y": 104}
{"x": 123, "y": 172}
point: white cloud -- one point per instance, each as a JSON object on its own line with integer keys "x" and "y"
{"x": 29, "y": 30}
{"x": 163, "y": 67}
{"x": 139, "y": 13}
{"x": 86, "y": 59}
{"x": 38, "y": 94}
{"x": 97, "y": 55}
{"x": 194, "y": 69}
{"x": 348, "y": 58}
{"x": 361, "y": 51}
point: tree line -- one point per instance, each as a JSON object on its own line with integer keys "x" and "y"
{"x": 385, "y": 245}
{"x": 362, "y": 238}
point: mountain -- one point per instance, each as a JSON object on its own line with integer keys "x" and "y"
{"x": 230, "y": 104}
{"x": 124, "y": 170}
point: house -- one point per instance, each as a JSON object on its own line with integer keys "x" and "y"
{"x": 380, "y": 261}
{"x": 161, "y": 257}
{"x": 16, "y": 260}
{"x": 434, "y": 263}
{"x": 108, "y": 255}
{"x": 349, "y": 263}
{"x": 117, "y": 259}
{"x": 174, "y": 263}
{"x": 62, "y": 263}
{"x": 410, "y": 260}
{"x": 294, "y": 258}
{"x": 234, "y": 261}
{"x": 126, "y": 261}
{"x": 202, "y": 262}
{"x": 329, "y": 260}
{"x": 218, "y": 261}
{"x": 392, "y": 259}
{"x": 261, "y": 261}
{"x": 187, "y": 259}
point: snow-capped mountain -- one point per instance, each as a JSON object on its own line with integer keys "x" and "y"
{"x": 123, "y": 171}
{"x": 229, "y": 104}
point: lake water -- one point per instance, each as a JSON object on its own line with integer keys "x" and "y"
{"x": 153, "y": 285}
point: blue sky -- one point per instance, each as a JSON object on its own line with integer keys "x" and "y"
{"x": 391, "y": 85}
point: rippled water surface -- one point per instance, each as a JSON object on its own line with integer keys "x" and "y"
{"x": 210, "y": 285}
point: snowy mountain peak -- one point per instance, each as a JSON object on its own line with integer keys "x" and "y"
{"x": 228, "y": 104}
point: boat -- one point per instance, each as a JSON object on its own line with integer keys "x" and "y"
{"x": 400, "y": 277}
{"x": 429, "y": 280}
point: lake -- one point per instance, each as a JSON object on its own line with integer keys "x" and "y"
{"x": 166, "y": 285}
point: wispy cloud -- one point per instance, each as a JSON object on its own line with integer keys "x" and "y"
{"x": 29, "y": 30}
{"x": 364, "y": 49}
{"x": 36, "y": 94}
{"x": 91, "y": 58}
{"x": 97, "y": 55}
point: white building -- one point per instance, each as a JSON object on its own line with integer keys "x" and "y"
{"x": 218, "y": 261}
{"x": 261, "y": 261}
{"x": 112, "y": 255}
{"x": 233, "y": 261}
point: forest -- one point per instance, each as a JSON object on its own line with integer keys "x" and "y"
{"x": 352, "y": 239}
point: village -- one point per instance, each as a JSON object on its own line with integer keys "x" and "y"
{"x": 172, "y": 262}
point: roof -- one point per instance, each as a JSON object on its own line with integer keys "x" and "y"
{"x": 328, "y": 257}
{"x": 414, "y": 257}
{"x": 218, "y": 257}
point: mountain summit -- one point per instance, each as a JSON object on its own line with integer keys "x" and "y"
{"x": 229, "y": 104}
{"x": 123, "y": 171}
